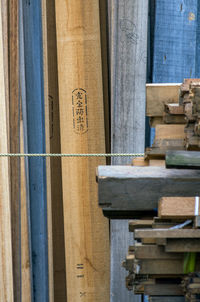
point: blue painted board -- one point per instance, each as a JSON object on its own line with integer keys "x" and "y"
{"x": 33, "y": 54}
{"x": 176, "y": 41}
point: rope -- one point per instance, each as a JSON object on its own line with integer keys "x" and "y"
{"x": 71, "y": 155}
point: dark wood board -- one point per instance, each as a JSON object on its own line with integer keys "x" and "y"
{"x": 140, "y": 188}
{"x": 183, "y": 159}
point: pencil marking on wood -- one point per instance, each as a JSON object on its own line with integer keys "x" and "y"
{"x": 129, "y": 28}
{"x": 79, "y": 110}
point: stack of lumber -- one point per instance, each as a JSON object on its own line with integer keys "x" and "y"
{"x": 191, "y": 287}
{"x": 173, "y": 110}
{"x": 157, "y": 263}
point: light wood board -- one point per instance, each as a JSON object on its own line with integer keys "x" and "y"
{"x": 25, "y": 248}
{"x": 6, "y": 271}
{"x": 82, "y": 131}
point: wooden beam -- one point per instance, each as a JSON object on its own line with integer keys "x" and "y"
{"x": 82, "y": 131}
{"x": 182, "y": 245}
{"x": 158, "y": 95}
{"x": 136, "y": 224}
{"x": 6, "y": 262}
{"x": 122, "y": 187}
{"x": 162, "y": 267}
{"x": 162, "y": 290}
{"x": 153, "y": 251}
{"x": 166, "y": 299}
{"x": 53, "y": 145}
{"x": 14, "y": 112}
{"x": 163, "y": 233}
{"x": 183, "y": 159}
{"x": 25, "y": 248}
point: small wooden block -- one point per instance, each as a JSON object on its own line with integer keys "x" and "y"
{"x": 176, "y": 207}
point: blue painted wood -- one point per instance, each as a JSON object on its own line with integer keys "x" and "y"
{"x": 36, "y": 144}
{"x": 176, "y": 41}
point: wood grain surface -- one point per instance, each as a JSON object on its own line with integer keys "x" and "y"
{"x": 128, "y": 54}
{"x": 140, "y": 188}
{"x": 6, "y": 262}
{"x": 82, "y": 131}
{"x": 53, "y": 146}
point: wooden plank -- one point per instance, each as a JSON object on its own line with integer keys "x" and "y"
{"x": 128, "y": 53}
{"x": 158, "y": 95}
{"x": 177, "y": 207}
{"x": 166, "y": 299}
{"x": 183, "y": 159}
{"x": 33, "y": 54}
{"x": 122, "y": 187}
{"x": 169, "y": 132}
{"x": 59, "y": 272}
{"x": 154, "y": 252}
{"x": 6, "y": 272}
{"x": 14, "y": 112}
{"x": 162, "y": 267}
{"x": 48, "y": 150}
{"x": 81, "y": 92}
{"x": 134, "y": 224}
{"x": 182, "y": 245}
{"x": 163, "y": 233}
{"x": 163, "y": 289}
{"x": 25, "y": 248}
{"x": 103, "y": 7}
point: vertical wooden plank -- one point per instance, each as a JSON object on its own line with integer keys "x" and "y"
{"x": 81, "y": 93}
{"x": 54, "y": 147}
{"x": 14, "y": 112}
{"x": 25, "y": 255}
{"x": 33, "y": 54}
{"x": 6, "y": 271}
{"x": 105, "y": 70}
{"x": 128, "y": 52}
{"x": 48, "y": 150}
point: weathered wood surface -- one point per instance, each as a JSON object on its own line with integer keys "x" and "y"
{"x": 140, "y": 188}
{"x": 25, "y": 248}
{"x": 59, "y": 271}
{"x": 14, "y": 132}
{"x": 134, "y": 224}
{"x": 177, "y": 207}
{"x": 163, "y": 289}
{"x": 26, "y": 256}
{"x": 182, "y": 245}
{"x": 6, "y": 262}
{"x": 81, "y": 92}
{"x": 183, "y": 159}
{"x": 162, "y": 233}
{"x": 128, "y": 53}
{"x": 163, "y": 267}
{"x": 166, "y": 299}
{"x": 33, "y": 62}
{"x": 160, "y": 94}
{"x": 48, "y": 149}
{"x": 154, "y": 252}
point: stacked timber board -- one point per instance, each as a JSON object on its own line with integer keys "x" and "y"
{"x": 164, "y": 257}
